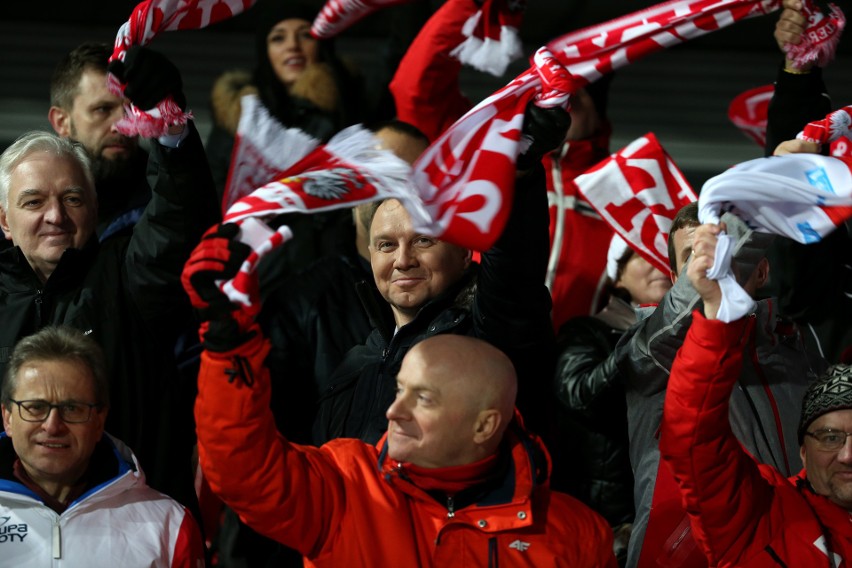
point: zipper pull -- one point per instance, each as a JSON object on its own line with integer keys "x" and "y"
{"x": 57, "y": 539}
{"x": 451, "y": 506}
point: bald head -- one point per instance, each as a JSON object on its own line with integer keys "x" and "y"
{"x": 482, "y": 374}
{"x": 455, "y": 399}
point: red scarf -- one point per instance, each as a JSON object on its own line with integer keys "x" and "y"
{"x": 450, "y": 480}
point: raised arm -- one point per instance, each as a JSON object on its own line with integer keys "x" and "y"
{"x": 723, "y": 490}
{"x": 183, "y": 204}
{"x": 290, "y": 493}
{"x": 425, "y": 87}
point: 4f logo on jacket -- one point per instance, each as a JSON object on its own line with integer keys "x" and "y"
{"x": 13, "y": 532}
{"x": 520, "y": 545}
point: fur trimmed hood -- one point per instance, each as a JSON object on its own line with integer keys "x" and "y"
{"x": 316, "y": 86}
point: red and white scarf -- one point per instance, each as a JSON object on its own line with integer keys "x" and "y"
{"x": 638, "y": 191}
{"x": 148, "y": 20}
{"x": 492, "y": 40}
{"x": 799, "y": 196}
{"x": 338, "y": 15}
{"x": 466, "y": 176}
{"x": 348, "y": 171}
{"x": 263, "y": 150}
{"x": 822, "y": 34}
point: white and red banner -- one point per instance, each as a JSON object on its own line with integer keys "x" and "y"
{"x": 147, "y": 20}
{"x": 799, "y": 196}
{"x": 638, "y": 191}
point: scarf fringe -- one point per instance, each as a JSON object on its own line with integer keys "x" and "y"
{"x": 360, "y": 148}
{"x": 155, "y": 122}
{"x": 488, "y": 55}
{"x": 821, "y": 52}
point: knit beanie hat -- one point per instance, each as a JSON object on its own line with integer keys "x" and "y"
{"x": 831, "y": 391}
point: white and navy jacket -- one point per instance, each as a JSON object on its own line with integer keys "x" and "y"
{"x": 118, "y": 522}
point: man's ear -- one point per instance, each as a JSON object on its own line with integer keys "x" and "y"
{"x": 7, "y": 232}
{"x": 762, "y": 272}
{"x": 6, "y": 426}
{"x": 468, "y": 256}
{"x": 487, "y": 425}
{"x": 60, "y": 120}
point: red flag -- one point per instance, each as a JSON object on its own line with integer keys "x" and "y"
{"x": 638, "y": 191}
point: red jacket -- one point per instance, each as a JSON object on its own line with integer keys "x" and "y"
{"x": 347, "y": 504}
{"x": 742, "y": 513}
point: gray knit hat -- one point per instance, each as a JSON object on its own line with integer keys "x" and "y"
{"x": 831, "y": 391}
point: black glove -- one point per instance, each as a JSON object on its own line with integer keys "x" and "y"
{"x": 149, "y": 77}
{"x": 218, "y": 256}
{"x": 547, "y": 128}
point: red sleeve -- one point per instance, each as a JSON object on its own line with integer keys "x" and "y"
{"x": 264, "y": 478}
{"x": 189, "y": 552}
{"x": 425, "y": 87}
{"x": 723, "y": 491}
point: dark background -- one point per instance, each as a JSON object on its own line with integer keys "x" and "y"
{"x": 681, "y": 94}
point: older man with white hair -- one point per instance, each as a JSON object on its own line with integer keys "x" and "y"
{"x": 124, "y": 293}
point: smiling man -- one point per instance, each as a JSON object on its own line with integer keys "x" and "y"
{"x": 124, "y": 292}
{"x": 433, "y": 287}
{"x": 61, "y": 475}
{"x": 48, "y": 206}
{"x": 456, "y": 481}
{"x": 742, "y": 512}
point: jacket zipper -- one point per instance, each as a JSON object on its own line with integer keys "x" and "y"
{"x": 39, "y": 299}
{"x": 451, "y": 508}
{"x": 493, "y": 562}
{"x": 57, "y": 539}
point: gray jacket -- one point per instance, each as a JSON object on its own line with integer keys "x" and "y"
{"x": 764, "y": 408}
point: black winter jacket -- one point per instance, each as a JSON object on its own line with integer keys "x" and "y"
{"x": 593, "y": 418}
{"x": 503, "y": 301}
{"x": 312, "y": 320}
{"x": 126, "y": 294}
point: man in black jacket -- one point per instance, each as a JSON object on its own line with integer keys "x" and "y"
{"x": 124, "y": 292}
{"x": 83, "y": 109}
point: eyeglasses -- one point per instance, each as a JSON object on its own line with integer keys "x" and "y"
{"x": 829, "y": 440}
{"x": 70, "y": 412}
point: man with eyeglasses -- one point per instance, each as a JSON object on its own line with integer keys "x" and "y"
{"x": 744, "y": 513}
{"x": 69, "y": 493}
